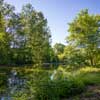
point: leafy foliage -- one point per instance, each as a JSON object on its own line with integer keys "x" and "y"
{"x": 23, "y": 41}
{"x": 83, "y": 42}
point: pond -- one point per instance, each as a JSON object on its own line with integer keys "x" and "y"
{"x": 13, "y": 83}
{"x": 16, "y": 79}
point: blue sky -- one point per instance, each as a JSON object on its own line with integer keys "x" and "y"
{"x": 59, "y": 13}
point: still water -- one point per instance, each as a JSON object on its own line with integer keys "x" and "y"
{"x": 14, "y": 82}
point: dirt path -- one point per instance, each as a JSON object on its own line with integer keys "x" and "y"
{"x": 92, "y": 93}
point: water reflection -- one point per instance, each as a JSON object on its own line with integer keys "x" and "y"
{"x": 53, "y": 74}
{"x": 14, "y": 83}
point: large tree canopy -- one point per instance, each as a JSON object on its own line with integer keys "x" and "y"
{"x": 25, "y": 36}
{"x": 85, "y": 35}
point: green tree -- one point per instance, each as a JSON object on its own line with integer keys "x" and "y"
{"x": 27, "y": 41}
{"x": 59, "y": 48}
{"x": 85, "y": 34}
{"x": 36, "y": 34}
{"x": 4, "y": 36}
{"x": 73, "y": 57}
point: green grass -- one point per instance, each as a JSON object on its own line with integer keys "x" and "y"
{"x": 88, "y": 75}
